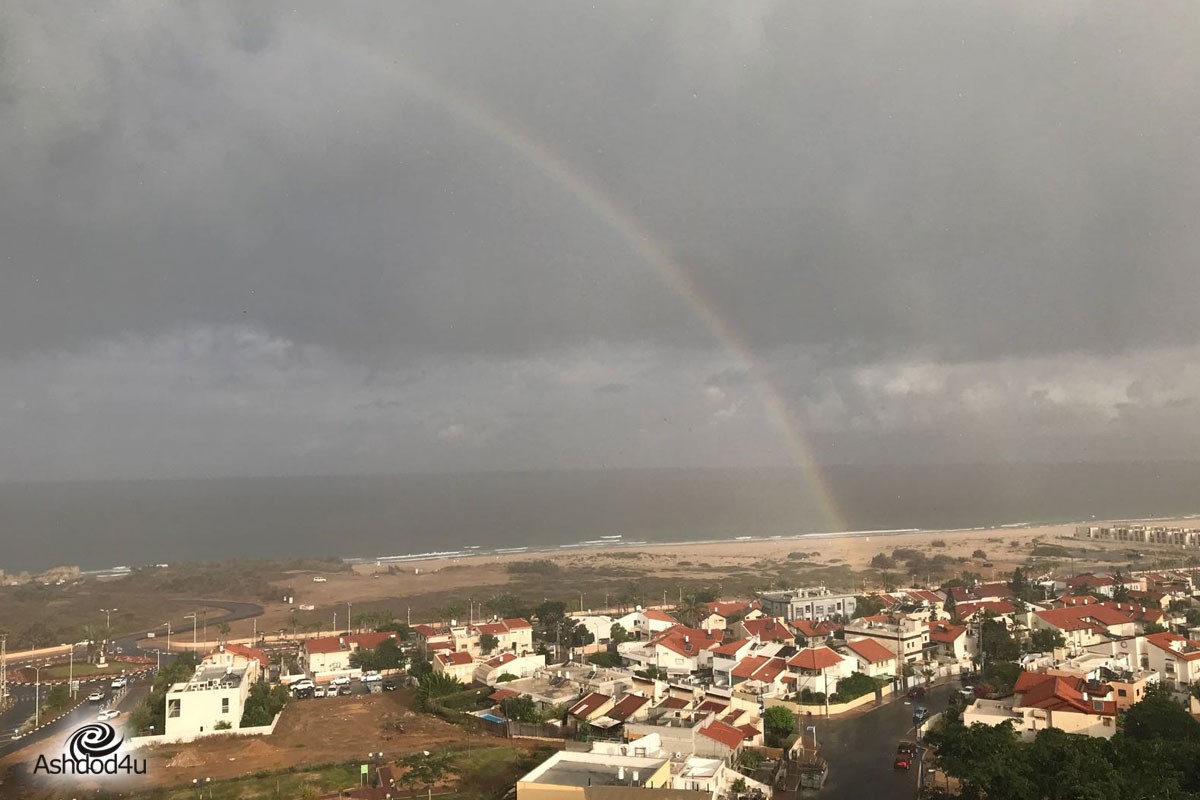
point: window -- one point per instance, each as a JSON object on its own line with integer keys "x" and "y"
{"x": 1121, "y": 693}
{"x": 173, "y": 708}
{"x": 224, "y": 705}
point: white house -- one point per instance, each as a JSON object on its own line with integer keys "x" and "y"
{"x": 489, "y": 671}
{"x": 598, "y": 625}
{"x": 212, "y": 699}
{"x": 460, "y": 666}
{"x": 331, "y": 654}
{"x": 873, "y": 658}
{"x": 908, "y": 637}
{"x": 1175, "y": 658}
{"x": 819, "y": 669}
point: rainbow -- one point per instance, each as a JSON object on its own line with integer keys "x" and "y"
{"x": 551, "y": 164}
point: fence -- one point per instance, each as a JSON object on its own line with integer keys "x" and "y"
{"x": 834, "y": 709}
{"x": 537, "y": 730}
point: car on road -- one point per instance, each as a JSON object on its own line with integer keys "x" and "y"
{"x": 319, "y": 691}
{"x": 920, "y": 714}
{"x": 908, "y": 748}
{"x": 341, "y": 680}
{"x": 916, "y": 692}
{"x": 345, "y": 690}
{"x": 119, "y": 683}
{"x": 902, "y": 761}
{"x": 108, "y": 713}
{"x": 319, "y": 579}
{"x": 389, "y": 686}
{"x": 96, "y": 696}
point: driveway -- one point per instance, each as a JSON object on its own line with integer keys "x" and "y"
{"x": 860, "y": 749}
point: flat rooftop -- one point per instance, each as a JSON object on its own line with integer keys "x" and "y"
{"x": 593, "y": 769}
{"x": 211, "y": 677}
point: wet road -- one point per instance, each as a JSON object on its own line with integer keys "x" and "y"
{"x": 860, "y": 750}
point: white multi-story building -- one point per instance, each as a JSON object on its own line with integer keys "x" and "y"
{"x": 817, "y": 604}
{"x": 216, "y": 693}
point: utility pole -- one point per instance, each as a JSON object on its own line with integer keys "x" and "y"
{"x": 3, "y": 668}
{"x": 193, "y": 617}
{"x": 349, "y": 625}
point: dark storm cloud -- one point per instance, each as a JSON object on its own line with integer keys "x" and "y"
{"x": 893, "y": 205}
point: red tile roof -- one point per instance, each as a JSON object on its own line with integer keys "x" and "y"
{"x": 516, "y": 623}
{"x": 748, "y": 731}
{"x": 688, "y": 641}
{"x": 1135, "y": 611}
{"x": 926, "y": 595}
{"x": 1176, "y": 645}
{"x": 455, "y": 659}
{"x": 1058, "y": 693}
{"x": 1077, "y": 600}
{"x": 759, "y": 668}
{"x": 729, "y": 648}
{"x": 674, "y": 702}
{"x": 659, "y": 616}
{"x": 627, "y": 707}
{"x": 712, "y": 705}
{"x": 245, "y": 651}
{"x": 815, "y": 630}
{"x": 768, "y": 629}
{"x": 728, "y": 607}
{"x": 333, "y": 644}
{"x": 871, "y": 651}
{"x": 945, "y": 632}
{"x": 1096, "y": 617}
{"x": 727, "y": 735}
{"x": 502, "y": 694}
{"x": 588, "y": 705}
{"x": 814, "y": 658}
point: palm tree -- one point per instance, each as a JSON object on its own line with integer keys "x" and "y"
{"x": 223, "y": 631}
{"x": 691, "y": 611}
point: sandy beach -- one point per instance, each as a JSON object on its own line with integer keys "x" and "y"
{"x": 420, "y": 585}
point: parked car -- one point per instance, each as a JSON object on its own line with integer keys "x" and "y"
{"x": 319, "y": 691}
{"x": 303, "y": 683}
{"x": 371, "y": 677}
{"x": 902, "y": 761}
{"x": 916, "y": 692}
{"x": 108, "y": 713}
{"x": 302, "y": 694}
{"x": 96, "y": 696}
{"x": 345, "y": 689}
{"x": 920, "y": 713}
{"x": 119, "y": 683}
{"x": 319, "y": 579}
{"x": 341, "y": 680}
{"x": 967, "y": 692}
{"x": 389, "y": 686}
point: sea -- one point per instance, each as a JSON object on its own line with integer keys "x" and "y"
{"x": 97, "y": 525}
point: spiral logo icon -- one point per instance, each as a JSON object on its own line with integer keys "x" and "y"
{"x": 96, "y": 740}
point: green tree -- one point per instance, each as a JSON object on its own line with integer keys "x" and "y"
{"x": 58, "y": 698}
{"x": 1044, "y": 640}
{"x": 1158, "y": 715}
{"x": 778, "y": 724}
{"x": 389, "y": 655}
{"x": 618, "y": 634}
{"x": 223, "y": 629}
{"x": 434, "y": 685}
{"x": 980, "y": 555}
{"x": 1153, "y": 627}
{"x": 882, "y": 561}
{"x": 424, "y": 769}
{"x": 488, "y": 643}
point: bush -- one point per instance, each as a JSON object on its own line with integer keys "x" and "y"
{"x": 979, "y": 554}
{"x": 609, "y": 660}
{"x": 810, "y": 698}
{"x": 538, "y": 567}
{"x": 938, "y": 543}
{"x": 856, "y": 685}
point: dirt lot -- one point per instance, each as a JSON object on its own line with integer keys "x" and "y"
{"x": 315, "y": 731}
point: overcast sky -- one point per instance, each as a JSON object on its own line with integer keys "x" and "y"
{"x": 325, "y": 238}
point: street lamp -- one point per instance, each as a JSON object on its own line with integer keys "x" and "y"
{"x": 168, "y": 624}
{"x": 37, "y": 694}
{"x": 192, "y": 616}
{"x": 349, "y": 626}
{"x": 108, "y": 612}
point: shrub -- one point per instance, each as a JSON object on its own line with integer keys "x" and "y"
{"x": 938, "y": 543}
{"x": 979, "y": 554}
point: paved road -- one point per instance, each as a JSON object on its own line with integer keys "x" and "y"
{"x": 86, "y": 712}
{"x": 860, "y": 749}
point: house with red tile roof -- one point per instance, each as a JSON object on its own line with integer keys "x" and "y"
{"x": 1175, "y": 658}
{"x": 630, "y": 708}
{"x": 460, "y": 666}
{"x": 1042, "y": 700}
{"x": 873, "y": 658}
{"x": 512, "y": 635}
{"x": 331, "y": 654}
{"x": 952, "y": 640}
{"x": 818, "y": 669}
{"x": 1086, "y": 625}
{"x": 728, "y": 740}
{"x": 810, "y": 633}
{"x": 906, "y": 636}
{"x": 645, "y": 623}
{"x": 760, "y": 675}
{"x": 592, "y": 706}
{"x": 981, "y": 592}
{"x": 1100, "y": 584}
{"x": 678, "y": 650}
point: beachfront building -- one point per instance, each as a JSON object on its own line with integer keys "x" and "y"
{"x": 816, "y": 603}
